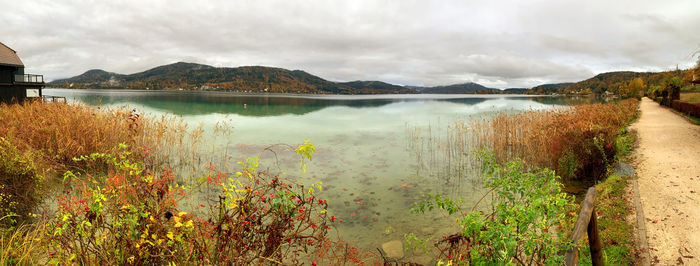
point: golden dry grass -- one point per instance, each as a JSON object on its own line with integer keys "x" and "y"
{"x": 61, "y": 132}
{"x": 24, "y": 245}
{"x": 565, "y": 139}
{"x": 576, "y": 141}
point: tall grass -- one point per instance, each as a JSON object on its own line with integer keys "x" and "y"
{"x": 579, "y": 142}
{"x": 23, "y": 245}
{"x": 61, "y": 132}
{"x": 40, "y": 141}
{"x": 443, "y": 152}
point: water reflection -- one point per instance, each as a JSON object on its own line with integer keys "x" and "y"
{"x": 201, "y": 103}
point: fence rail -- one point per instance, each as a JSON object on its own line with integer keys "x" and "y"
{"x": 587, "y": 223}
{"x": 29, "y": 78}
{"x": 53, "y": 99}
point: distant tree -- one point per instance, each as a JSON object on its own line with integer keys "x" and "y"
{"x": 696, "y": 74}
{"x": 672, "y": 90}
{"x": 633, "y": 89}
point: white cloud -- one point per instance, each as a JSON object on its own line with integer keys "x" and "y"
{"x": 499, "y": 43}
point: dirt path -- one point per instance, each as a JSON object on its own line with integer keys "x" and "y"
{"x": 668, "y": 166}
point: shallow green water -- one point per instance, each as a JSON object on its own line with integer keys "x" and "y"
{"x": 371, "y": 150}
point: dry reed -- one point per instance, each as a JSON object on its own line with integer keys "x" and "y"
{"x": 24, "y": 245}
{"x": 61, "y": 132}
{"x": 578, "y": 142}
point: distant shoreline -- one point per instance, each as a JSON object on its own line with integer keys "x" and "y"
{"x": 310, "y": 95}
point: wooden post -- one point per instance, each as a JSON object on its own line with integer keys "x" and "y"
{"x": 594, "y": 240}
{"x": 586, "y": 223}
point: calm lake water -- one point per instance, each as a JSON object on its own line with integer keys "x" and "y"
{"x": 372, "y": 153}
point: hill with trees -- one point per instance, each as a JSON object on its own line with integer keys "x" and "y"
{"x": 469, "y": 87}
{"x": 190, "y": 76}
{"x": 377, "y": 86}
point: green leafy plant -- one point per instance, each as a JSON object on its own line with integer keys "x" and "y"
{"x": 439, "y": 201}
{"x": 416, "y": 243}
{"x": 523, "y": 225}
{"x": 305, "y": 151}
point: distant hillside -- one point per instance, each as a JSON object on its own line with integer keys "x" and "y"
{"x": 604, "y": 82}
{"x": 615, "y": 82}
{"x": 96, "y": 76}
{"x": 469, "y": 87}
{"x": 516, "y": 90}
{"x": 377, "y": 86}
{"x": 549, "y": 88}
{"x": 190, "y": 76}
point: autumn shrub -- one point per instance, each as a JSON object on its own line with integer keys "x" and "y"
{"x": 137, "y": 217}
{"x": 578, "y": 142}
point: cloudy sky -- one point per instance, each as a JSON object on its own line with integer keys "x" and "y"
{"x": 495, "y": 43}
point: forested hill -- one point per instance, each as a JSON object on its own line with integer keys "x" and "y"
{"x": 618, "y": 82}
{"x": 603, "y": 82}
{"x": 365, "y": 87}
{"x": 190, "y": 76}
{"x": 468, "y": 87}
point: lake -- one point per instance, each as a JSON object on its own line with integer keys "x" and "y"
{"x": 376, "y": 154}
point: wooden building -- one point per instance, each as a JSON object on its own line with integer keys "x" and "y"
{"x": 15, "y": 85}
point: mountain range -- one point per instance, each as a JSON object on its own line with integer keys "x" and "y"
{"x": 191, "y": 76}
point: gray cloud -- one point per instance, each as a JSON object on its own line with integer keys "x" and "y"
{"x": 502, "y": 44}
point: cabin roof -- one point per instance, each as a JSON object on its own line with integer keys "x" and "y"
{"x": 8, "y": 57}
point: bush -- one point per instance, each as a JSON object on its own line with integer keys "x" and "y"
{"x": 524, "y": 225}
{"x": 135, "y": 217}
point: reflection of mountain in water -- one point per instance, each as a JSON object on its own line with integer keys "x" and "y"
{"x": 246, "y": 105}
{"x": 565, "y": 100}
{"x": 199, "y": 103}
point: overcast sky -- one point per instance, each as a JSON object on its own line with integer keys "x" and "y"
{"x": 495, "y": 43}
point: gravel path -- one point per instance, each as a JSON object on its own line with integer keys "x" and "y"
{"x": 668, "y": 162}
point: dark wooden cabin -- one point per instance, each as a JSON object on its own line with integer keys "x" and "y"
{"x": 15, "y": 85}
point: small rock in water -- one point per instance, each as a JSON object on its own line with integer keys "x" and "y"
{"x": 393, "y": 249}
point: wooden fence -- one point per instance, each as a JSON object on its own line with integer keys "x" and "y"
{"x": 53, "y": 99}
{"x": 587, "y": 223}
